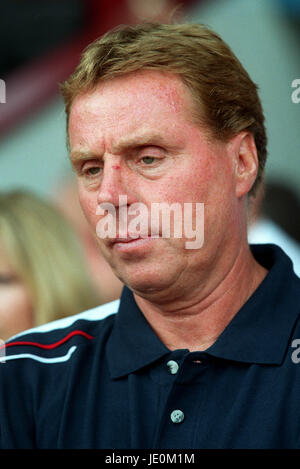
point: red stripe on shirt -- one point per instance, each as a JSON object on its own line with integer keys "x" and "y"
{"x": 50, "y": 346}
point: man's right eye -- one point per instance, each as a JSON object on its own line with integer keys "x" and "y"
{"x": 93, "y": 170}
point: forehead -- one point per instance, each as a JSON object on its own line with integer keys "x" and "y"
{"x": 164, "y": 86}
{"x": 137, "y": 100}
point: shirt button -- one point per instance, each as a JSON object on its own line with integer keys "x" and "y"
{"x": 173, "y": 367}
{"x": 177, "y": 416}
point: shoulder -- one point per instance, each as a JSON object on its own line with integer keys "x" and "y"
{"x": 56, "y": 342}
{"x": 38, "y": 366}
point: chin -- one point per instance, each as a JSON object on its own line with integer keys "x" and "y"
{"x": 148, "y": 285}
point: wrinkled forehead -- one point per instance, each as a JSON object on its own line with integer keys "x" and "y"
{"x": 138, "y": 89}
{"x": 128, "y": 103}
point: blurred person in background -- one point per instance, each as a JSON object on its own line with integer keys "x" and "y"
{"x": 274, "y": 217}
{"x": 43, "y": 276}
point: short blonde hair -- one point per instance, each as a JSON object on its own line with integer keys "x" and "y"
{"x": 46, "y": 255}
{"x": 226, "y": 98}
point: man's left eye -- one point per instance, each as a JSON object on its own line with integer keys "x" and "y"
{"x": 148, "y": 159}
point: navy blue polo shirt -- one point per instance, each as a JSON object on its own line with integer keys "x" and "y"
{"x": 103, "y": 379}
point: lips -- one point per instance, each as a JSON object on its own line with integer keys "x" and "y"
{"x": 126, "y": 240}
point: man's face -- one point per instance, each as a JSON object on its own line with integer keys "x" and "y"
{"x": 134, "y": 136}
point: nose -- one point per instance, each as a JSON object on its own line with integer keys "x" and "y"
{"x": 113, "y": 184}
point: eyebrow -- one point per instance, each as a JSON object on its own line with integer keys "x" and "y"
{"x": 79, "y": 155}
{"x": 125, "y": 143}
{"x": 138, "y": 141}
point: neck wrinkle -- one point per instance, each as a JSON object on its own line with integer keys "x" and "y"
{"x": 202, "y": 321}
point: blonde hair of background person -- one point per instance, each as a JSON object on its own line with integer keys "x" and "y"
{"x": 43, "y": 254}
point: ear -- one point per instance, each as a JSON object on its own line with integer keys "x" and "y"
{"x": 245, "y": 161}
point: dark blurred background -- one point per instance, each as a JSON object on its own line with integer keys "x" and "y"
{"x": 32, "y": 28}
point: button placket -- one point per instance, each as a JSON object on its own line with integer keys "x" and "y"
{"x": 187, "y": 386}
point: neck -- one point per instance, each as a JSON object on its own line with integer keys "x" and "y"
{"x": 197, "y": 319}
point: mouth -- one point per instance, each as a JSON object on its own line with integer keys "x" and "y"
{"x": 130, "y": 243}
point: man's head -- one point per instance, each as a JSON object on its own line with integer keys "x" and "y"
{"x": 159, "y": 123}
{"x": 226, "y": 99}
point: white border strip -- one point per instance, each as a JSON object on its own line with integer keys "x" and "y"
{"x": 61, "y": 359}
{"x": 94, "y": 314}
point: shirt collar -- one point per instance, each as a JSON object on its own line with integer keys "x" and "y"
{"x": 258, "y": 333}
{"x": 133, "y": 343}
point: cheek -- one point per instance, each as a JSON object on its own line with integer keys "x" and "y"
{"x": 210, "y": 181}
{"x": 88, "y": 202}
{"x": 192, "y": 184}
{"x": 16, "y": 311}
